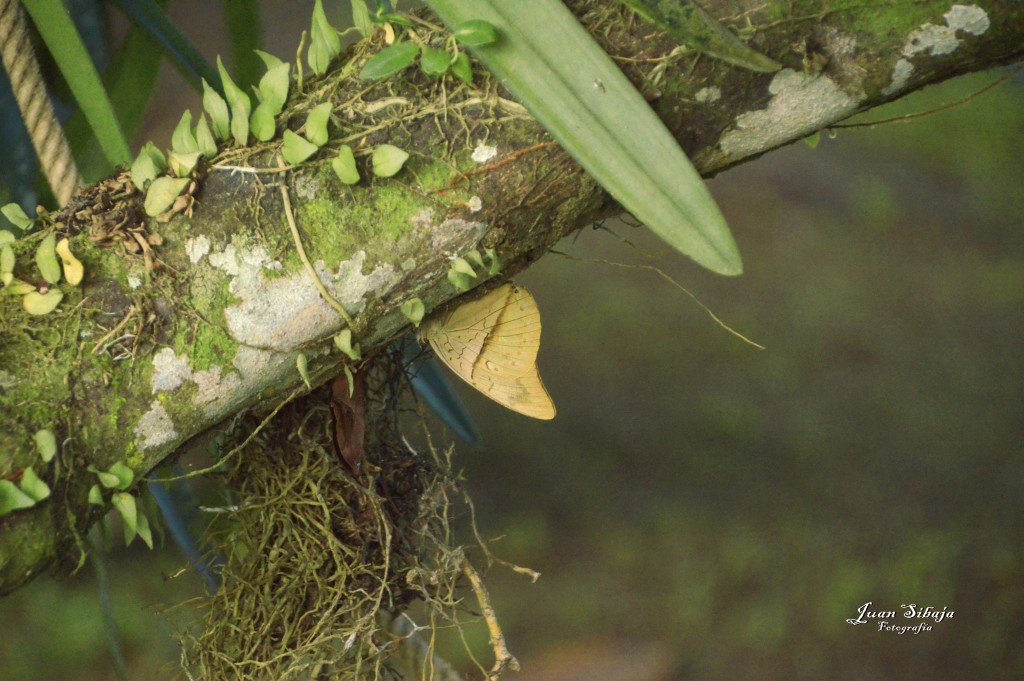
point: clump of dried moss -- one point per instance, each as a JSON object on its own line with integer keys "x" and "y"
{"x": 318, "y": 562}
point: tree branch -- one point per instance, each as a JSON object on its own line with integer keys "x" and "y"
{"x": 138, "y": 361}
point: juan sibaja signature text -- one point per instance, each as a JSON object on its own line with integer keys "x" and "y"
{"x": 910, "y": 612}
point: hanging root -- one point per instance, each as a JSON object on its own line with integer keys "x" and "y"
{"x": 324, "y": 570}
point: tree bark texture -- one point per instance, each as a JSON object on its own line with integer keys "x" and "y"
{"x": 139, "y": 360}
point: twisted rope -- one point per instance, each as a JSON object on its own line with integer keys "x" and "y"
{"x": 47, "y": 135}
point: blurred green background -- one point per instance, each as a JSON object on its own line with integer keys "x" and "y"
{"x": 701, "y": 509}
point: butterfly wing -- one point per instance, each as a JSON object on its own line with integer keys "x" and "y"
{"x": 492, "y": 344}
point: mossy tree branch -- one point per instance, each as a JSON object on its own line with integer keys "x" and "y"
{"x": 139, "y": 361}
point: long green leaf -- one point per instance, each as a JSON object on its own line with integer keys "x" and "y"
{"x": 130, "y": 79}
{"x": 554, "y": 67}
{"x": 64, "y": 43}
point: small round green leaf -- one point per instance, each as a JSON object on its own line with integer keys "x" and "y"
{"x": 12, "y": 498}
{"x": 273, "y": 89}
{"x": 17, "y": 287}
{"x": 147, "y": 166}
{"x": 143, "y": 529}
{"x": 414, "y": 310}
{"x": 462, "y": 69}
{"x": 162, "y": 192}
{"x": 476, "y": 33}
{"x": 46, "y": 443}
{"x": 435, "y": 62}
{"x": 124, "y": 503}
{"x": 463, "y": 266}
{"x": 6, "y": 258}
{"x": 325, "y": 44}
{"x": 295, "y": 149}
{"x": 183, "y": 141}
{"x": 316, "y": 123}
{"x": 263, "y": 123}
{"x": 344, "y": 165}
{"x": 462, "y": 282}
{"x": 302, "y": 365}
{"x": 16, "y": 215}
{"x": 96, "y": 495}
{"x": 33, "y": 486}
{"x": 343, "y": 341}
{"x": 125, "y": 476}
{"x": 217, "y": 108}
{"x": 204, "y": 138}
{"x": 389, "y": 61}
{"x": 46, "y": 259}
{"x": 388, "y": 160}
{"x": 182, "y": 165}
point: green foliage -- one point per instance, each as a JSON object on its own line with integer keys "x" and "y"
{"x": 461, "y": 274}
{"x": 388, "y": 159}
{"x": 65, "y": 44}
{"x": 316, "y": 124}
{"x": 33, "y": 486}
{"x": 16, "y": 215}
{"x": 183, "y": 140}
{"x": 161, "y": 194}
{"x": 462, "y": 68}
{"x": 147, "y": 166}
{"x": 389, "y": 61}
{"x": 302, "y": 365}
{"x": 344, "y": 165}
{"x": 325, "y": 44}
{"x": 46, "y": 443}
{"x": 295, "y": 148}
{"x": 551, "y": 64}
{"x": 476, "y": 33}
{"x": 238, "y": 104}
{"x": 205, "y": 143}
{"x": 217, "y": 108}
{"x": 12, "y": 498}
{"x": 361, "y": 18}
{"x": 343, "y": 341}
{"x": 46, "y": 259}
{"x": 413, "y": 310}
{"x": 119, "y": 476}
{"x": 688, "y": 22}
{"x": 434, "y": 61}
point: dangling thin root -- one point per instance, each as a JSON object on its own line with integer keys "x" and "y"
{"x": 502, "y": 657}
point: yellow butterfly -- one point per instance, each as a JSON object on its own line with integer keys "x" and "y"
{"x": 492, "y": 343}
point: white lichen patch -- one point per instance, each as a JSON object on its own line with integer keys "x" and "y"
{"x": 197, "y": 247}
{"x": 484, "y": 153}
{"x": 211, "y": 385}
{"x": 453, "y": 234}
{"x": 475, "y": 204}
{"x": 134, "y": 282}
{"x": 288, "y": 312}
{"x": 155, "y": 428}
{"x": 244, "y": 261}
{"x": 306, "y": 186}
{"x": 169, "y": 370}
{"x": 708, "y": 95}
{"x": 351, "y": 287}
{"x": 801, "y": 104}
{"x": 969, "y": 18}
{"x": 279, "y": 314}
{"x": 934, "y": 40}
